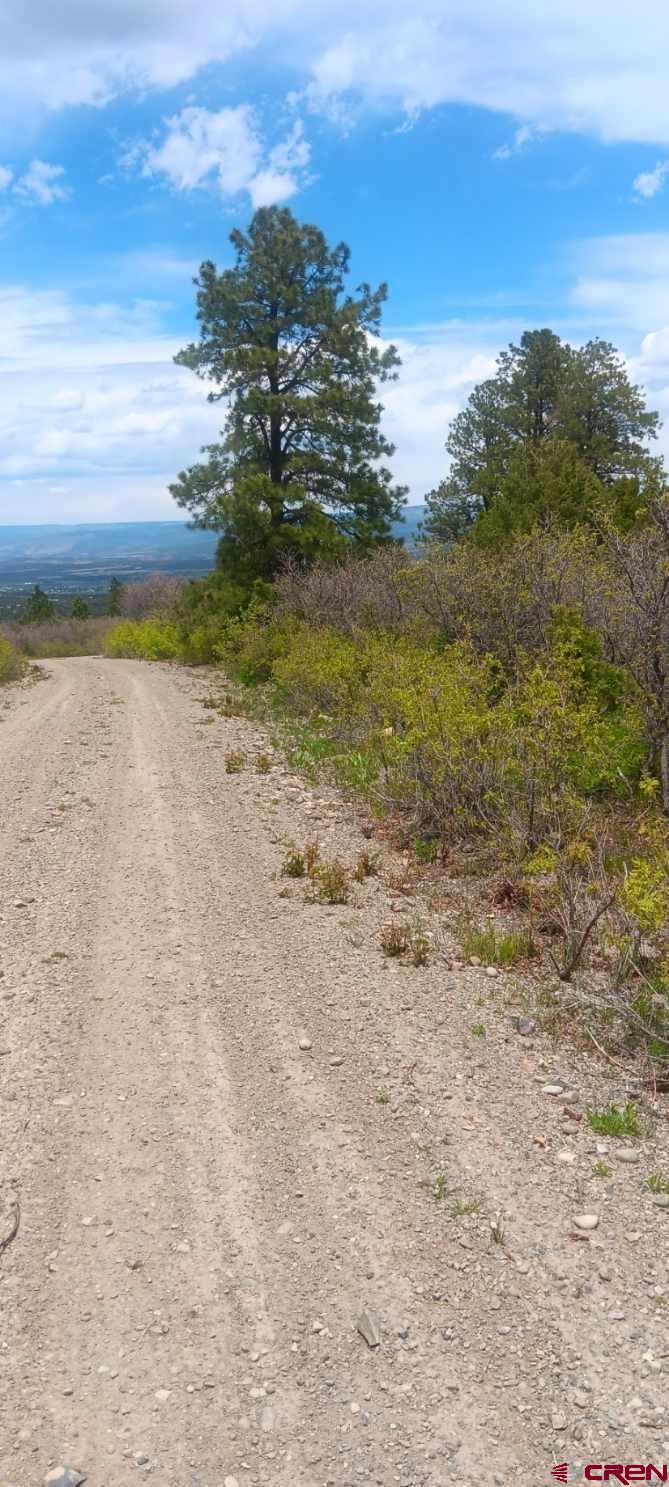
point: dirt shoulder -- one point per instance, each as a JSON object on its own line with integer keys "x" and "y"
{"x": 206, "y": 1207}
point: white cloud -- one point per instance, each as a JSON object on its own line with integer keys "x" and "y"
{"x": 225, "y": 149}
{"x": 6, "y": 177}
{"x": 594, "y": 67}
{"x": 650, "y": 182}
{"x": 522, "y": 137}
{"x": 42, "y": 184}
{"x": 439, "y": 369}
{"x": 623, "y": 281}
{"x": 92, "y": 408}
{"x": 91, "y": 400}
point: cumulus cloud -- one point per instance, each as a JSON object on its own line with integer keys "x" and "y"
{"x": 90, "y": 399}
{"x": 650, "y": 182}
{"x": 596, "y": 68}
{"x": 225, "y": 149}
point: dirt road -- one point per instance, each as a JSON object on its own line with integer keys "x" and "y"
{"x": 206, "y": 1207}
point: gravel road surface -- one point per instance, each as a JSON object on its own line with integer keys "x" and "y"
{"x": 229, "y": 1127}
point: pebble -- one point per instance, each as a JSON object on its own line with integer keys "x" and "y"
{"x": 368, "y": 1327}
{"x": 662, "y": 1200}
{"x": 581, "y": 1399}
{"x": 305, "y": 1043}
{"x": 525, "y": 1026}
{"x": 553, "y": 1089}
{"x": 626, "y": 1154}
{"x": 559, "y": 1422}
{"x": 64, "y": 1476}
{"x": 491, "y": 971}
{"x": 230, "y": 1482}
{"x": 586, "y": 1220}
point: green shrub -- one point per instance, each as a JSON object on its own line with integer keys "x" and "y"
{"x": 144, "y": 640}
{"x": 11, "y": 664}
{"x": 330, "y": 883}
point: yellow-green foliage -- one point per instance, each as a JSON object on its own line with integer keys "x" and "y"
{"x": 11, "y": 665}
{"x": 442, "y": 733}
{"x": 144, "y": 640}
{"x": 251, "y": 644}
{"x": 645, "y": 891}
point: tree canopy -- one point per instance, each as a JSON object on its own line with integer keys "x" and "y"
{"x": 39, "y": 607}
{"x": 299, "y": 467}
{"x": 556, "y": 431}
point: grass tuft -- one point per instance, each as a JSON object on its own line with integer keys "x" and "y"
{"x": 483, "y": 943}
{"x": 462, "y": 1207}
{"x": 656, "y": 1183}
{"x": 612, "y": 1121}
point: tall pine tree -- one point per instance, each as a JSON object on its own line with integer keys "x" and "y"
{"x": 299, "y": 468}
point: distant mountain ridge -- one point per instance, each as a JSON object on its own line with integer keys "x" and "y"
{"x": 70, "y": 558}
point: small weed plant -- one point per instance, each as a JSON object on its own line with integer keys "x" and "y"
{"x": 485, "y": 944}
{"x": 656, "y": 1183}
{"x": 331, "y": 883}
{"x": 463, "y": 1207}
{"x": 612, "y": 1121}
{"x": 367, "y": 866}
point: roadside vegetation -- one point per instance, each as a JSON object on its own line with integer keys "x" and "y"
{"x": 11, "y": 663}
{"x": 59, "y": 637}
{"x": 43, "y": 630}
{"x": 499, "y": 701}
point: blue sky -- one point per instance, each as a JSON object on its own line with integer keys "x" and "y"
{"x": 501, "y": 168}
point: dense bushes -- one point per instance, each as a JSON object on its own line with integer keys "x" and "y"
{"x": 60, "y": 636}
{"x": 151, "y": 639}
{"x": 446, "y": 735}
{"x": 11, "y": 665}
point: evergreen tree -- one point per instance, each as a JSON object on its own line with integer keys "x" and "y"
{"x": 80, "y": 609}
{"x": 39, "y": 607}
{"x": 546, "y": 399}
{"x": 114, "y": 596}
{"x": 298, "y": 469}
